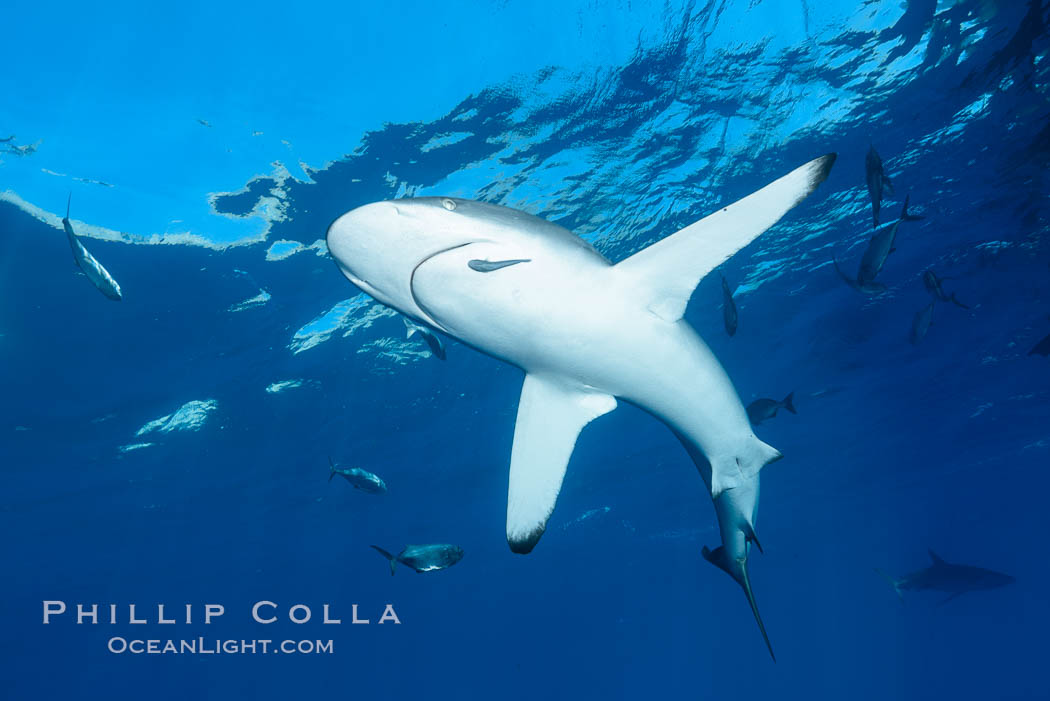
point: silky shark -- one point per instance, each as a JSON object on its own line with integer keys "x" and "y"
{"x": 948, "y": 577}
{"x": 585, "y": 331}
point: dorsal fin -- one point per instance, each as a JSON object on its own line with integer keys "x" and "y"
{"x": 935, "y": 557}
{"x": 671, "y": 268}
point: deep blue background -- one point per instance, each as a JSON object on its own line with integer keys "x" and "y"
{"x": 896, "y": 447}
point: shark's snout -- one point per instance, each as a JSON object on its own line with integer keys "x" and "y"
{"x": 380, "y": 246}
{"x": 377, "y": 247}
{"x": 358, "y": 231}
{"x": 1003, "y": 580}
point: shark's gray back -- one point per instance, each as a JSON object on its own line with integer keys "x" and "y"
{"x": 949, "y": 577}
{"x": 526, "y": 224}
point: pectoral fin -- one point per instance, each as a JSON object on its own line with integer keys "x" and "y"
{"x": 950, "y": 597}
{"x": 671, "y": 268}
{"x": 550, "y": 417}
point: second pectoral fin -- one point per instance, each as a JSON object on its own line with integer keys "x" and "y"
{"x": 550, "y": 418}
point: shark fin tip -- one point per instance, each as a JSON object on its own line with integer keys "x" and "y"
{"x": 746, "y": 584}
{"x": 823, "y": 167}
{"x": 523, "y": 544}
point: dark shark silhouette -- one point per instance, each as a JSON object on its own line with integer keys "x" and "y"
{"x": 947, "y": 577}
{"x": 1041, "y": 348}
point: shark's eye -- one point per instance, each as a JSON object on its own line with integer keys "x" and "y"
{"x": 448, "y": 204}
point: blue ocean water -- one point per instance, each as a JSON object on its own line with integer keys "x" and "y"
{"x": 173, "y": 447}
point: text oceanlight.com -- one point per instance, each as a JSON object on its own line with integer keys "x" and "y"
{"x": 205, "y": 646}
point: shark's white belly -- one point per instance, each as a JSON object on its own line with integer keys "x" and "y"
{"x": 575, "y": 317}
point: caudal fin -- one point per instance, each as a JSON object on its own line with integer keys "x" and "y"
{"x": 893, "y": 583}
{"x": 388, "y": 556}
{"x": 746, "y": 584}
{"x": 410, "y": 328}
{"x": 905, "y": 216}
{"x": 845, "y": 278}
{"x": 717, "y": 557}
{"x": 789, "y": 403}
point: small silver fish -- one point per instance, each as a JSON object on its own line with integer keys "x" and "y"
{"x": 877, "y": 182}
{"x": 433, "y": 341}
{"x": 881, "y": 246}
{"x": 98, "y": 275}
{"x": 935, "y": 286}
{"x": 729, "y": 313}
{"x": 360, "y": 479}
{"x": 921, "y": 323}
{"x": 762, "y": 409}
{"x": 865, "y": 288}
{"x": 424, "y": 558}
{"x": 23, "y": 150}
